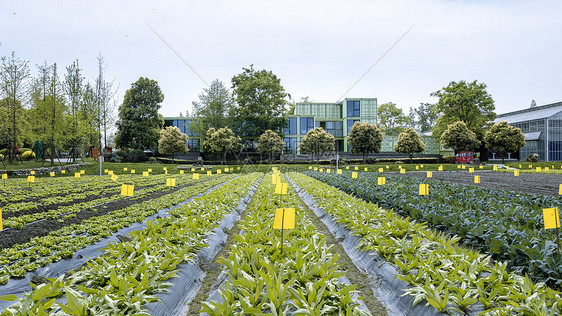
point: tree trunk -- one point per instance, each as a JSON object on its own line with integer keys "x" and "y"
{"x": 411, "y": 158}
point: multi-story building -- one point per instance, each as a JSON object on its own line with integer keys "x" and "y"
{"x": 335, "y": 118}
{"x": 542, "y": 127}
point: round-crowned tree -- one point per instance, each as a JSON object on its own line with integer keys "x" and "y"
{"x": 316, "y": 142}
{"x": 172, "y": 141}
{"x": 504, "y": 138}
{"x": 221, "y": 141}
{"x": 270, "y": 143}
{"x": 459, "y": 137}
{"x": 409, "y": 142}
{"x": 365, "y": 138}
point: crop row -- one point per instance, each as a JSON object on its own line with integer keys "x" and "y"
{"x": 507, "y": 225}
{"x": 41, "y": 251}
{"x": 301, "y": 278}
{"x": 445, "y": 275}
{"x": 131, "y": 272}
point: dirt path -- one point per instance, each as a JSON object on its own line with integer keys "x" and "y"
{"x": 530, "y": 183}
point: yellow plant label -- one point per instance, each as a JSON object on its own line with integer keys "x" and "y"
{"x": 328, "y": 170}
{"x": 127, "y": 190}
{"x": 32, "y": 172}
{"x": 463, "y": 167}
{"x": 458, "y": 167}
{"x": 430, "y": 174}
{"x": 381, "y": 180}
{"x": 170, "y": 182}
{"x": 354, "y": 175}
{"x": 237, "y": 168}
{"x": 30, "y": 178}
{"x": 530, "y": 166}
{"x": 132, "y": 170}
{"x": 1, "y": 227}
{"x": 551, "y": 218}
{"x": 209, "y": 173}
{"x": 470, "y": 170}
{"x": 421, "y": 166}
{"x": 516, "y": 173}
{"x": 315, "y": 169}
{"x": 340, "y": 171}
{"x": 346, "y": 167}
{"x": 4, "y": 176}
{"x": 476, "y": 179}
{"x": 52, "y": 174}
{"x": 83, "y": 171}
{"x": 366, "y": 169}
{"x": 440, "y": 168}
{"x": 309, "y": 167}
{"x": 424, "y": 189}
{"x": 165, "y": 168}
{"x": 192, "y": 169}
{"x": 403, "y": 171}
{"x": 182, "y": 172}
{"x": 507, "y": 167}
{"x": 321, "y": 170}
{"x": 417, "y": 167}
{"x": 149, "y": 170}
{"x": 387, "y": 167}
{"x": 195, "y": 176}
{"x": 125, "y": 169}
{"x": 546, "y": 169}
{"x": 225, "y": 169}
{"x": 539, "y": 169}
{"x": 110, "y": 172}
{"x": 63, "y": 171}
{"x": 284, "y": 218}
{"x": 519, "y": 166}
{"x": 114, "y": 177}
{"x": 481, "y": 167}
{"x": 165, "y": 171}
{"x": 145, "y": 173}
{"x": 560, "y": 189}
{"x": 275, "y": 179}
{"x": 381, "y": 169}
{"x": 356, "y": 168}
{"x": 77, "y": 174}
{"x": 219, "y": 171}
{"x": 281, "y": 188}
{"x": 105, "y": 171}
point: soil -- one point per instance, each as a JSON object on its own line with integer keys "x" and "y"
{"x": 529, "y": 183}
{"x": 10, "y": 237}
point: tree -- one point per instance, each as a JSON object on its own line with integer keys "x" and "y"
{"x": 392, "y": 120}
{"x": 13, "y": 85}
{"x": 172, "y": 141}
{"x": 270, "y": 143}
{"x": 316, "y": 142}
{"x": 467, "y": 102}
{"x": 221, "y": 141}
{"x": 48, "y": 108}
{"x": 504, "y": 138}
{"x": 74, "y": 89}
{"x": 459, "y": 137}
{"x": 139, "y": 123}
{"x": 260, "y": 101}
{"x": 365, "y": 138}
{"x": 426, "y": 117}
{"x": 213, "y": 108}
{"x": 105, "y": 105}
{"x": 409, "y": 142}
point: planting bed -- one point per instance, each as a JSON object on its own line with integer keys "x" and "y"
{"x": 529, "y": 183}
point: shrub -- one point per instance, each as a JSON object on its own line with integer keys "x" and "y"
{"x": 28, "y": 155}
{"x": 135, "y": 155}
{"x": 153, "y": 160}
{"x": 4, "y": 151}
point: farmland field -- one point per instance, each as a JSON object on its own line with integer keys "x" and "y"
{"x": 479, "y": 250}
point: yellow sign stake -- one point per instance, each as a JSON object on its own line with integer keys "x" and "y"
{"x": 219, "y": 172}
{"x": 195, "y": 176}
{"x": 284, "y": 218}
{"x": 516, "y": 173}
{"x": 192, "y": 169}
{"x": 145, "y": 173}
{"x": 52, "y": 174}
{"x": 424, "y": 189}
{"x": 209, "y": 173}
{"x": 182, "y": 172}
{"x": 539, "y": 169}
{"x": 77, "y": 174}
{"x": 63, "y": 171}
{"x": 470, "y": 170}
{"x": 381, "y": 169}
{"x": 560, "y": 190}
{"x": 403, "y": 171}
{"x": 281, "y": 188}
{"x": 328, "y": 170}
{"x": 170, "y": 182}
{"x": 32, "y": 172}
{"x": 30, "y": 178}
{"x": 1, "y": 227}
{"x": 127, "y": 190}
{"x": 381, "y": 180}
{"x": 346, "y": 167}
{"x": 430, "y": 174}
{"x": 114, "y": 177}
{"x": 354, "y": 175}
{"x": 440, "y": 168}
{"x": 551, "y": 218}
{"x": 4, "y": 176}
{"x": 149, "y": 170}
{"x": 340, "y": 171}
{"x": 476, "y": 179}
{"x": 132, "y": 170}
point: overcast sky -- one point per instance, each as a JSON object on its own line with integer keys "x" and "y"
{"x": 317, "y": 48}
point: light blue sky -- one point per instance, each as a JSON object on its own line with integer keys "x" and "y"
{"x": 317, "y": 48}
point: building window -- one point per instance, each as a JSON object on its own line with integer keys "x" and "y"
{"x": 307, "y": 123}
{"x": 335, "y": 128}
{"x": 290, "y": 145}
{"x": 350, "y": 124}
{"x": 292, "y": 128}
{"x": 353, "y": 109}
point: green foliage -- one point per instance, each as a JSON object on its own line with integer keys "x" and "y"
{"x": 270, "y": 144}
{"x": 172, "y": 141}
{"x": 260, "y": 99}
{"x": 504, "y": 138}
{"x": 426, "y": 117}
{"x": 459, "y": 137}
{"x": 467, "y": 102}
{"x": 316, "y": 142}
{"x": 409, "y": 142}
{"x": 222, "y": 142}
{"x": 139, "y": 122}
{"x": 392, "y": 120}
{"x": 213, "y": 108}
{"x": 28, "y": 155}
{"x": 365, "y": 138}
